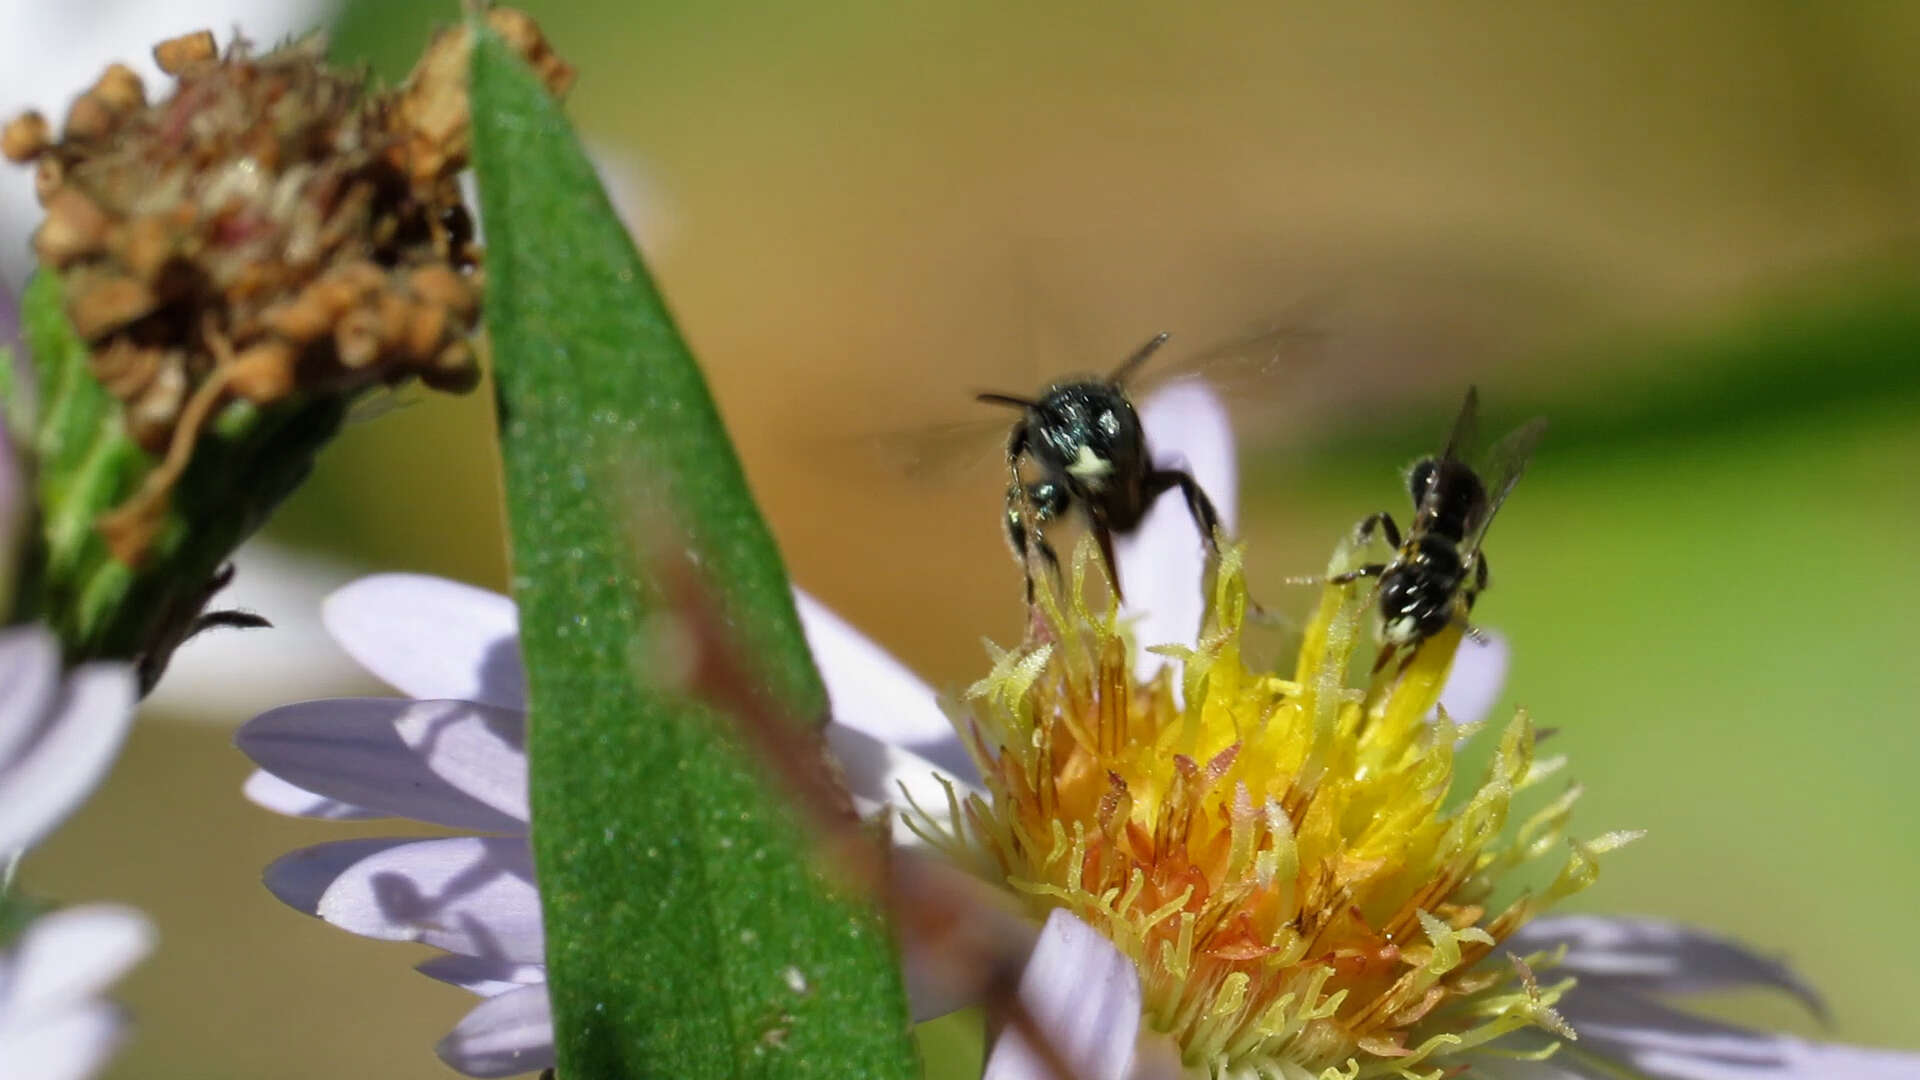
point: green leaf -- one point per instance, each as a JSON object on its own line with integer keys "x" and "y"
{"x": 688, "y": 934}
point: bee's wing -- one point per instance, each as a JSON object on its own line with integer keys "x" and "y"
{"x": 1504, "y": 464}
{"x": 942, "y": 451}
{"x": 1466, "y": 428}
{"x": 1245, "y": 361}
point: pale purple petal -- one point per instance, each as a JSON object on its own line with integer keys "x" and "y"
{"x": 29, "y": 679}
{"x": 53, "y": 776}
{"x": 351, "y": 750}
{"x": 468, "y": 894}
{"x": 1666, "y": 1044}
{"x": 479, "y": 749}
{"x": 487, "y": 976}
{"x": 52, "y": 1027}
{"x": 1085, "y": 994}
{"x": 503, "y": 1036}
{"x": 1156, "y": 1057}
{"x": 636, "y": 193}
{"x": 431, "y": 638}
{"x": 267, "y": 790}
{"x": 74, "y": 1045}
{"x": 1657, "y": 956}
{"x": 68, "y": 957}
{"x": 950, "y": 964}
{"x": 1161, "y": 564}
{"x": 876, "y": 773}
{"x": 1478, "y": 676}
{"x": 869, "y": 690}
{"x": 300, "y": 878}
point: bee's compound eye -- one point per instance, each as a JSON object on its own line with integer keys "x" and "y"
{"x": 1109, "y": 421}
{"x": 1421, "y": 479}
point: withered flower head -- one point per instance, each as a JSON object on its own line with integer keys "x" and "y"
{"x": 274, "y": 233}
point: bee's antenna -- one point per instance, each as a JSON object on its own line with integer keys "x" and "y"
{"x": 1006, "y": 399}
{"x": 1127, "y": 366}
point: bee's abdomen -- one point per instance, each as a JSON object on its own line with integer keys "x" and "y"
{"x": 1436, "y": 559}
{"x": 1417, "y": 592}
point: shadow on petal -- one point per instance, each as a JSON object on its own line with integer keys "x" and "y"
{"x": 1657, "y": 956}
{"x": 1666, "y": 1044}
{"x": 468, "y": 895}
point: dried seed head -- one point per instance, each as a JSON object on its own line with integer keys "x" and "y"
{"x": 432, "y": 107}
{"x": 25, "y": 138}
{"x": 272, "y": 230}
{"x": 108, "y": 303}
{"x": 75, "y": 227}
{"x": 176, "y": 55}
{"x": 265, "y": 372}
{"x": 119, "y": 89}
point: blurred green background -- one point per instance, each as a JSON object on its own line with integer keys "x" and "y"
{"x": 1687, "y": 235}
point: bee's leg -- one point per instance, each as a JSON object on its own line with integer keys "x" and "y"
{"x": 1382, "y": 521}
{"x": 1016, "y": 449}
{"x": 1363, "y": 532}
{"x": 1367, "y": 571}
{"x": 1047, "y": 501}
{"x": 1023, "y": 518}
{"x": 1386, "y": 657}
{"x": 1472, "y": 593}
{"x": 1104, "y": 537}
{"x": 1205, "y": 517}
{"x": 1017, "y": 535}
{"x": 1029, "y": 508}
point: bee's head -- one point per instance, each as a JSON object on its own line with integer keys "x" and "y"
{"x": 1420, "y": 479}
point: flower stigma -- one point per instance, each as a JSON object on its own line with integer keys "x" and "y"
{"x": 1283, "y": 859}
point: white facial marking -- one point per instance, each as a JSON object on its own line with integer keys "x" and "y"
{"x": 1400, "y": 631}
{"x": 1090, "y": 468}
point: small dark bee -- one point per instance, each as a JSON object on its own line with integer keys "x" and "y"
{"x": 1439, "y": 570}
{"x": 1085, "y": 441}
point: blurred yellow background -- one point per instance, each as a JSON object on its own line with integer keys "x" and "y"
{"x": 1687, "y": 235}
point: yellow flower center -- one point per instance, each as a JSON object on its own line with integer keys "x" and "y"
{"x": 1279, "y": 857}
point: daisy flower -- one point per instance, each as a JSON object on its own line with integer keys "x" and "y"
{"x": 1239, "y": 874}
{"x": 453, "y": 754}
{"x": 59, "y": 733}
{"x": 1277, "y": 876}
{"x": 53, "y": 1024}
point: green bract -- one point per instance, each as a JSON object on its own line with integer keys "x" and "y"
{"x": 85, "y": 464}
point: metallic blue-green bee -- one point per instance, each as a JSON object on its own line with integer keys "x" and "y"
{"x": 1088, "y": 451}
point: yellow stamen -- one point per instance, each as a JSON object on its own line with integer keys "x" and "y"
{"x": 1278, "y": 856}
